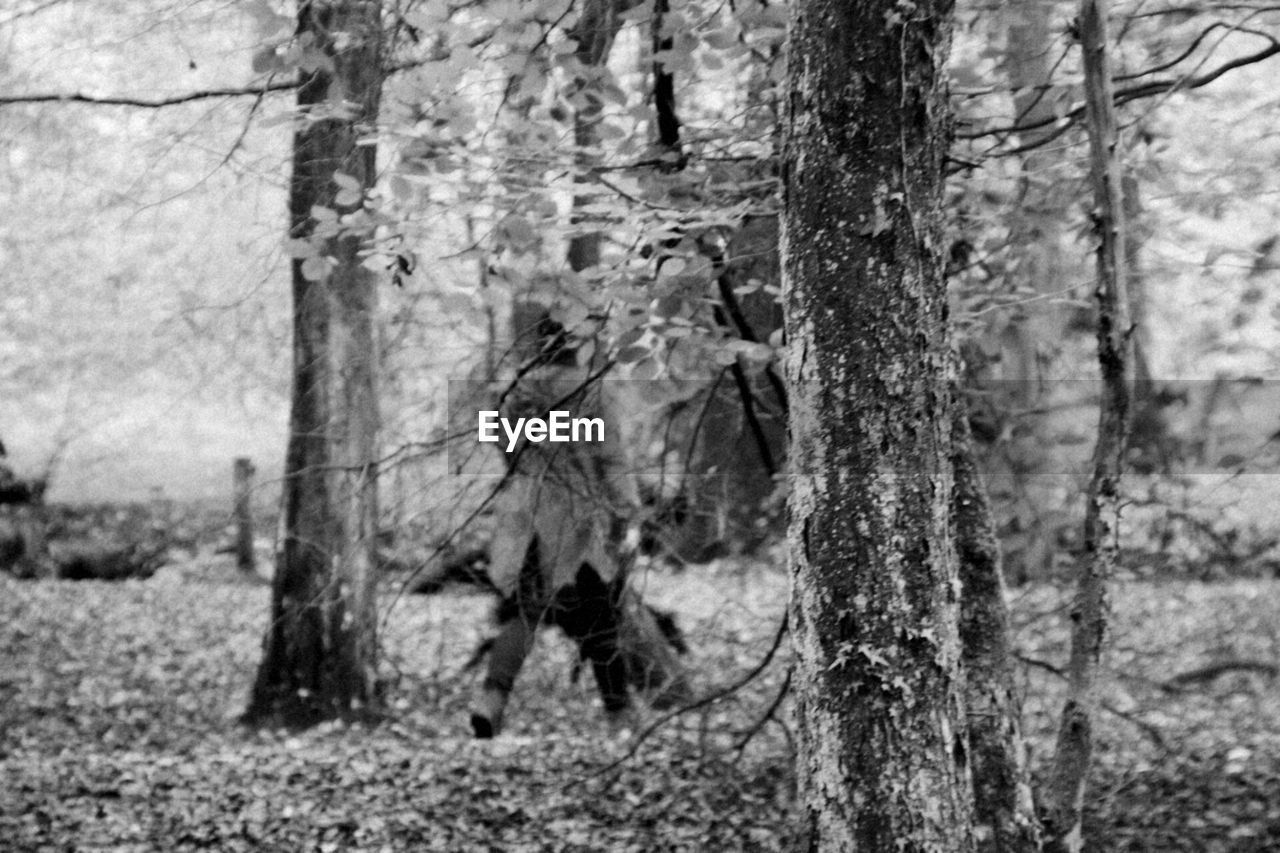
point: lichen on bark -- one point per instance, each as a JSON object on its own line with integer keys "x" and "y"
{"x": 883, "y": 757}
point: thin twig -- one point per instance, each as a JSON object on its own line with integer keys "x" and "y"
{"x": 759, "y": 724}
{"x": 149, "y": 103}
{"x": 1149, "y": 729}
{"x": 709, "y": 699}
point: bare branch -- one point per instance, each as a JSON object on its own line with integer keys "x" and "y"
{"x": 1131, "y": 93}
{"x": 710, "y": 699}
{"x": 258, "y": 91}
{"x": 148, "y": 103}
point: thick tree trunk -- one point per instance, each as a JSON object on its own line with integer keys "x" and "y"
{"x": 1005, "y": 810}
{"x": 883, "y": 763}
{"x": 320, "y": 650}
{"x": 1065, "y": 794}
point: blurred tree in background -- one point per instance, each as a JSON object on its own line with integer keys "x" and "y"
{"x": 320, "y": 658}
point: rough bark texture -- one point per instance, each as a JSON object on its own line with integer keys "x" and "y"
{"x": 320, "y": 649}
{"x": 883, "y": 760}
{"x": 1065, "y": 794}
{"x": 1005, "y": 810}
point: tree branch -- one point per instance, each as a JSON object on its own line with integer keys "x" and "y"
{"x": 730, "y": 301}
{"x": 710, "y": 699}
{"x": 1124, "y": 96}
{"x": 258, "y": 91}
{"x": 148, "y": 103}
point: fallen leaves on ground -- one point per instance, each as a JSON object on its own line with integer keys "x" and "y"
{"x": 118, "y": 706}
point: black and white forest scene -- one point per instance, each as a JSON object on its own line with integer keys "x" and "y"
{"x": 556, "y": 426}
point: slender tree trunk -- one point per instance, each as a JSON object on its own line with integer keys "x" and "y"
{"x": 242, "y": 509}
{"x": 595, "y": 31}
{"x": 1005, "y": 810}
{"x": 320, "y": 658}
{"x": 664, "y": 91}
{"x": 883, "y": 759}
{"x": 1065, "y": 794}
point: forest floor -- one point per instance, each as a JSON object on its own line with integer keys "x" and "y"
{"x": 118, "y": 706}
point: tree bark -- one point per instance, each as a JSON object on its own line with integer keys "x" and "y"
{"x": 1065, "y": 794}
{"x": 1003, "y": 803}
{"x": 883, "y": 758}
{"x": 320, "y": 658}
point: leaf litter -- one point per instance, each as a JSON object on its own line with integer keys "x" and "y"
{"x": 118, "y": 707}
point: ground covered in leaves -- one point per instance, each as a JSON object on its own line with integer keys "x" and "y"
{"x": 118, "y": 707}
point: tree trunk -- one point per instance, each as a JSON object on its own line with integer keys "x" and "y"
{"x": 883, "y": 759}
{"x": 320, "y": 658}
{"x": 242, "y": 509}
{"x": 597, "y": 27}
{"x": 1003, "y": 803}
{"x": 1065, "y": 794}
